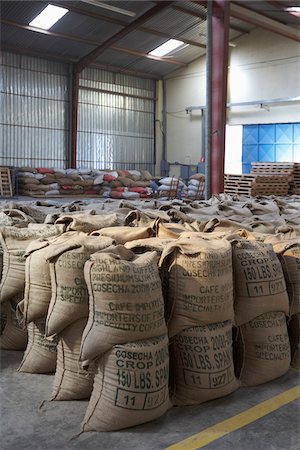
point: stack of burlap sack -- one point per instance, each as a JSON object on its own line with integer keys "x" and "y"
{"x": 44, "y": 182}
{"x": 138, "y": 309}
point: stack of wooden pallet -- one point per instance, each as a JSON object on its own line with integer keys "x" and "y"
{"x": 256, "y": 184}
{"x": 295, "y": 184}
{"x": 277, "y": 169}
{"x": 271, "y": 185}
{"x": 238, "y": 184}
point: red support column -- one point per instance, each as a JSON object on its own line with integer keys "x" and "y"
{"x": 74, "y": 118}
{"x": 219, "y": 70}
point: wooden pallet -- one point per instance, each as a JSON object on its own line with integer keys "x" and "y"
{"x": 6, "y": 189}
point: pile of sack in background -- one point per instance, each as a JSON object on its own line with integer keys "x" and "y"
{"x": 44, "y": 182}
{"x": 118, "y": 184}
{"x": 133, "y": 306}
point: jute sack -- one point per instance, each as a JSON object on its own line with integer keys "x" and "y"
{"x": 14, "y": 242}
{"x": 69, "y": 300}
{"x": 170, "y": 230}
{"x": 40, "y": 354}
{"x": 14, "y": 217}
{"x": 156, "y": 244}
{"x": 88, "y": 222}
{"x": 200, "y": 282}
{"x": 37, "y": 293}
{"x": 1, "y": 261}
{"x": 288, "y": 253}
{"x": 262, "y": 349}
{"x": 294, "y": 335}
{"x": 3, "y": 316}
{"x": 71, "y": 382}
{"x": 130, "y": 387}
{"x": 258, "y": 280}
{"x": 125, "y": 298}
{"x": 13, "y": 336}
{"x": 201, "y": 364}
{"x": 124, "y": 234}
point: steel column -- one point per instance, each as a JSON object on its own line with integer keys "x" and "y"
{"x": 218, "y": 86}
{"x": 74, "y": 116}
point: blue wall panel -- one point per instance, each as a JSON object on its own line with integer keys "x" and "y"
{"x": 266, "y": 153}
{"x": 284, "y": 153}
{"x": 266, "y": 134}
{"x": 296, "y": 139}
{"x": 251, "y": 153}
{"x": 250, "y": 134}
{"x": 270, "y": 143}
{"x": 284, "y": 133}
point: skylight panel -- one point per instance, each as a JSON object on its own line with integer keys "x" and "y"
{"x": 167, "y": 47}
{"x": 48, "y": 17}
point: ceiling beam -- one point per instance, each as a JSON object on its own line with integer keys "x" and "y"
{"x": 51, "y": 56}
{"x": 264, "y": 22}
{"x": 91, "y": 42}
{"x": 202, "y": 15}
{"x": 83, "y": 12}
{"x": 94, "y": 54}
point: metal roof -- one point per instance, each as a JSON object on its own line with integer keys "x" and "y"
{"x": 87, "y": 26}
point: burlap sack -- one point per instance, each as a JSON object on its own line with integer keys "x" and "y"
{"x": 201, "y": 364}
{"x": 69, "y": 300}
{"x": 14, "y": 217}
{"x": 3, "y": 316}
{"x": 13, "y": 336}
{"x": 262, "y": 349}
{"x": 125, "y": 300}
{"x": 124, "y": 234}
{"x": 88, "y": 222}
{"x": 294, "y": 336}
{"x": 170, "y": 230}
{"x": 258, "y": 280}
{"x": 71, "y": 382}
{"x": 223, "y": 225}
{"x": 130, "y": 387}
{"x": 14, "y": 242}
{"x": 156, "y": 244}
{"x": 40, "y": 354}
{"x": 288, "y": 253}
{"x": 37, "y": 293}
{"x": 200, "y": 283}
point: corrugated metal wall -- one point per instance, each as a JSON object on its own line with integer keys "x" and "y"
{"x": 33, "y": 111}
{"x": 115, "y": 116}
{"x": 115, "y": 121}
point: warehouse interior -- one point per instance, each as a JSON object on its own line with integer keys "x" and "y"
{"x": 150, "y": 147}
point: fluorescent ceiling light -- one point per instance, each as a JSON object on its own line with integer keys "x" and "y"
{"x": 103, "y": 5}
{"x": 48, "y": 17}
{"x": 167, "y": 47}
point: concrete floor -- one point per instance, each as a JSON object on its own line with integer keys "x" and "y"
{"x": 24, "y": 426}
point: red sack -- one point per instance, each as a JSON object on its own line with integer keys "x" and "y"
{"x": 116, "y": 194}
{"x": 109, "y": 178}
{"x": 44, "y": 170}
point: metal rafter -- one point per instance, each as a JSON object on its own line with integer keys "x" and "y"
{"x": 263, "y": 13}
{"x": 83, "y": 12}
{"x": 35, "y": 52}
{"x": 264, "y": 22}
{"x": 202, "y": 15}
{"x": 94, "y": 54}
{"x": 91, "y": 42}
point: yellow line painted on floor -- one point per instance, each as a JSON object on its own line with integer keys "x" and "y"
{"x": 220, "y": 429}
